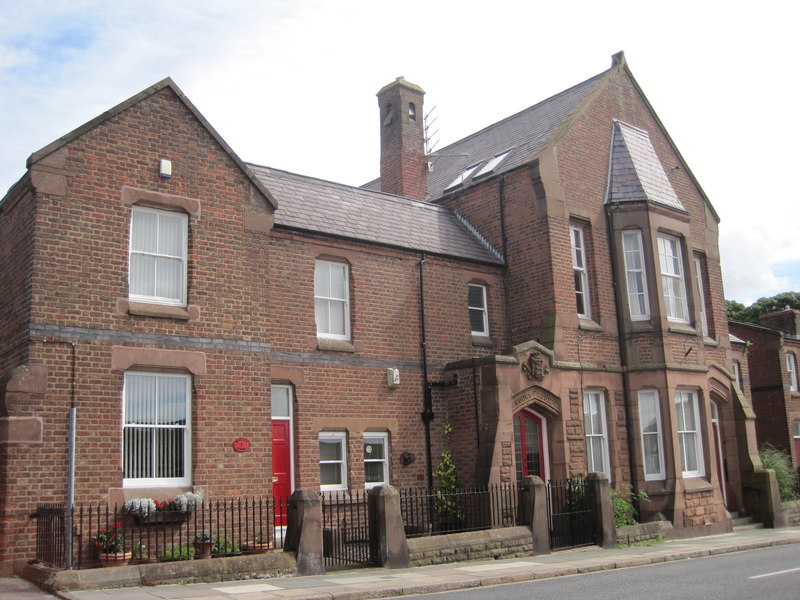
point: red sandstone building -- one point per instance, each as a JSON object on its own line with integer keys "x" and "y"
{"x": 550, "y": 286}
{"x": 774, "y": 347}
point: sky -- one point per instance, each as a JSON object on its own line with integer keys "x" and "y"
{"x": 291, "y": 84}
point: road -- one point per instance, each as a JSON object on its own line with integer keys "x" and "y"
{"x": 767, "y": 574}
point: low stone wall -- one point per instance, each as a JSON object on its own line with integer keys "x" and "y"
{"x": 791, "y": 513}
{"x": 509, "y": 542}
{"x": 643, "y": 532}
{"x": 255, "y": 566}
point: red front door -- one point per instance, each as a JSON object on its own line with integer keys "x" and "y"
{"x": 528, "y": 445}
{"x": 281, "y": 468}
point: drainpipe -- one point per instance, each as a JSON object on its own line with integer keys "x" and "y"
{"x": 502, "y": 202}
{"x": 427, "y": 407}
{"x": 623, "y": 354}
{"x": 71, "y": 453}
{"x": 477, "y": 403}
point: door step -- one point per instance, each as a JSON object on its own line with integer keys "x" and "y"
{"x": 745, "y": 523}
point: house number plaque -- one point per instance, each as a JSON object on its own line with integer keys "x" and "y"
{"x": 241, "y": 444}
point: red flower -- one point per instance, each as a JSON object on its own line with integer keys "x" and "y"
{"x": 117, "y": 525}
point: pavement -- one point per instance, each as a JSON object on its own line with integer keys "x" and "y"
{"x": 387, "y": 583}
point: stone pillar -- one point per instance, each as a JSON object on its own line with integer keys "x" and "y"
{"x": 533, "y": 506}
{"x": 387, "y": 535}
{"x": 764, "y": 499}
{"x": 304, "y": 532}
{"x": 605, "y": 523}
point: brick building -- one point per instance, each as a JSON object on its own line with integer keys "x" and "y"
{"x": 549, "y": 286}
{"x": 774, "y": 346}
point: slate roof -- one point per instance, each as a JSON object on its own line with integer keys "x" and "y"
{"x": 314, "y": 205}
{"x": 636, "y": 173}
{"x": 525, "y": 133}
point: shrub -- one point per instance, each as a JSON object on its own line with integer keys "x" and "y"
{"x": 178, "y": 553}
{"x": 225, "y": 547}
{"x": 781, "y": 463}
{"x": 622, "y": 502}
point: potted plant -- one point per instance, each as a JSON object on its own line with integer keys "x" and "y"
{"x": 110, "y": 545}
{"x": 258, "y": 545}
{"x": 203, "y": 544}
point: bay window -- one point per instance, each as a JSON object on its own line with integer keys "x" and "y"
{"x": 690, "y": 443}
{"x": 635, "y": 277}
{"x": 652, "y": 443}
{"x": 672, "y": 279}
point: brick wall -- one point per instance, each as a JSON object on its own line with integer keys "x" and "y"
{"x": 346, "y": 390}
{"x": 79, "y": 290}
{"x": 17, "y": 215}
{"x": 769, "y": 384}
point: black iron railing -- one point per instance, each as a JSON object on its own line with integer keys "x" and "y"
{"x": 345, "y": 528}
{"x": 431, "y": 512}
{"x": 231, "y": 527}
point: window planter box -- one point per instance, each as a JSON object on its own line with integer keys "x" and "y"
{"x": 163, "y": 517}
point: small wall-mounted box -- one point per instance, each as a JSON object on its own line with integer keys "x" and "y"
{"x": 165, "y": 168}
{"x": 392, "y": 377}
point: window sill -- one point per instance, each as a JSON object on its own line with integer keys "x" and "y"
{"x": 696, "y": 484}
{"x": 641, "y": 326}
{"x": 709, "y": 341}
{"x": 682, "y": 328}
{"x": 144, "y": 309}
{"x": 335, "y": 345}
{"x": 482, "y": 340}
{"x": 589, "y": 324}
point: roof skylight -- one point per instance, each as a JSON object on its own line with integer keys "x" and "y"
{"x": 462, "y": 177}
{"x": 490, "y": 166}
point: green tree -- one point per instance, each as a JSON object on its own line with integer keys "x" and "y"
{"x": 763, "y": 306}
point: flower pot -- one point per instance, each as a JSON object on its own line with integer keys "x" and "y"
{"x": 203, "y": 549}
{"x": 255, "y": 547}
{"x": 120, "y": 559}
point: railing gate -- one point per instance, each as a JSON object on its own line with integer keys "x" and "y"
{"x": 571, "y": 514}
{"x": 346, "y": 530}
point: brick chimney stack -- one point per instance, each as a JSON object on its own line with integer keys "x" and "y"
{"x": 404, "y": 169}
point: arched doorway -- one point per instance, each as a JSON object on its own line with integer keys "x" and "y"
{"x": 530, "y": 445}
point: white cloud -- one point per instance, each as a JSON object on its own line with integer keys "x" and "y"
{"x": 292, "y": 84}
